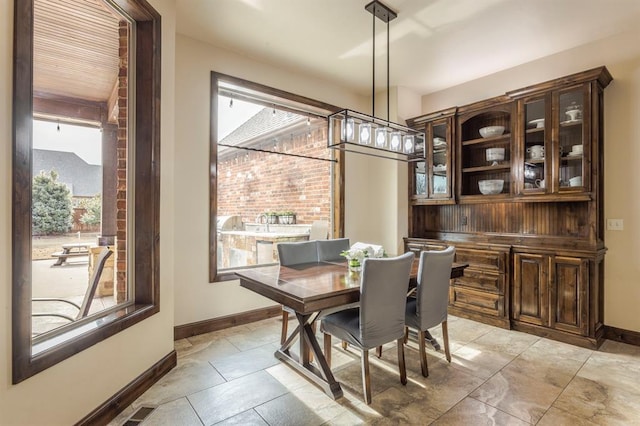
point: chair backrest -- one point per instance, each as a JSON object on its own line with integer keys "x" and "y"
{"x": 383, "y": 297}
{"x": 329, "y": 250}
{"x": 93, "y": 283}
{"x": 432, "y": 294}
{"x": 298, "y": 252}
{"x": 319, "y": 230}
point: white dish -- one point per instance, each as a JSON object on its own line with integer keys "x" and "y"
{"x": 574, "y": 154}
{"x": 440, "y": 168}
{"x": 490, "y": 131}
{"x": 538, "y": 122}
{"x": 491, "y": 186}
{"x": 571, "y": 121}
{"x": 439, "y": 143}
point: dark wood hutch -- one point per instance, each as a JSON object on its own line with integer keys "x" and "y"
{"x": 535, "y": 245}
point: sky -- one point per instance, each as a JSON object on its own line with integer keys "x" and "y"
{"x": 232, "y": 117}
{"x": 84, "y": 141}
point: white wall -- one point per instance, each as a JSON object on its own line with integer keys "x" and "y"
{"x": 66, "y": 392}
{"x": 621, "y": 55}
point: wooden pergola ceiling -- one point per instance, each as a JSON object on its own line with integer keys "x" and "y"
{"x": 75, "y": 53}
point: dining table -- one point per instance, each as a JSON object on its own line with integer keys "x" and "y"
{"x": 309, "y": 289}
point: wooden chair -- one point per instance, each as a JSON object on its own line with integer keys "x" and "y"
{"x": 380, "y": 317}
{"x": 429, "y": 307}
{"x": 83, "y": 309}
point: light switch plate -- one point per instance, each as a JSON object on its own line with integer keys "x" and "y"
{"x": 615, "y": 224}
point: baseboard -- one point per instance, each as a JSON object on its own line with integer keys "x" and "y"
{"x": 215, "y": 324}
{"x": 621, "y": 335}
{"x": 123, "y": 398}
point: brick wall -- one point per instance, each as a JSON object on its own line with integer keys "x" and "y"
{"x": 121, "y": 191}
{"x": 251, "y": 183}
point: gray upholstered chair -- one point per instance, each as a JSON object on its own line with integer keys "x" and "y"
{"x": 329, "y": 250}
{"x": 380, "y": 317}
{"x": 296, "y": 253}
{"x": 429, "y": 307}
{"x": 290, "y": 254}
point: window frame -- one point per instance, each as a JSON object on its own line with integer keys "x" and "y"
{"x": 337, "y": 179}
{"x": 145, "y": 184}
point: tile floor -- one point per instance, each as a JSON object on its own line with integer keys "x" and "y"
{"x": 496, "y": 377}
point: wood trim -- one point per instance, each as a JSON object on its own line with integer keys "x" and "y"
{"x": 108, "y": 410}
{"x": 68, "y": 108}
{"x": 621, "y": 335}
{"x": 337, "y": 178}
{"x": 147, "y": 179}
{"x": 560, "y": 336}
{"x": 220, "y": 323}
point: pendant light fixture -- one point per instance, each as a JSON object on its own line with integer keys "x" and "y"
{"x": 353, "y": 131}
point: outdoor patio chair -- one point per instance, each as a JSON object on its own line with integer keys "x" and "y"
{"x": 83, "y": 309}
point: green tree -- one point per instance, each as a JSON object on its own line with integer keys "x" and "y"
{"x": 93, "y": 207}
{"x": 51, "y": 212}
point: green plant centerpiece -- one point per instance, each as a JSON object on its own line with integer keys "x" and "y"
{"x": 356, "y": 254}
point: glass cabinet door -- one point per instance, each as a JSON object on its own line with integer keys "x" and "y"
{"x": 431, "y": 173}
{"x": 572, "y": 150}
{"x": 439, "y": 160}
{"x": 535, "y": 146}
{"x": 419, "y": 173}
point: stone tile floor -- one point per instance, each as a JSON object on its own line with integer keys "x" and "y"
{"x": 496, "y": 377}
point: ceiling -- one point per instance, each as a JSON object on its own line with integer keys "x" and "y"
{"x": 75, "y": 51}
{"x": 435, "y": 44}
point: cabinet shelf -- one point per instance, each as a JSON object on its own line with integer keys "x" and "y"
{"x": 572, "y": 158}
{"x": 498, "y": 168}
{"x": 502, "y": 139}
{"x": 535, "y": 130}
{"x": 534, "y": 162}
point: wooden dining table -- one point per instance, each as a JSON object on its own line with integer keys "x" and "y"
{"x": 308, "y": 289}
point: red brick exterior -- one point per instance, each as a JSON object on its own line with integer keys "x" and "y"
{"x": 121, "y": 191}
{"x": 251, "y": 183}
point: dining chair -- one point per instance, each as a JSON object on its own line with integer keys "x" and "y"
{"x": 380, "y": 317}
{"x": 429, "y": 307}
{"x": 329, "y": 250}
{"x": 290, "y": 254}
{"x": 319, "y": 230}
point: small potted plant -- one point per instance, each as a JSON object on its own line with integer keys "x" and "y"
{"x": 272, "y": 217}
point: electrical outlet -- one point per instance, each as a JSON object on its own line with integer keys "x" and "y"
{"x": 615, "y": 224}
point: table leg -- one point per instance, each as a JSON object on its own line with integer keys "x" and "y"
{"x": 322, "y": 376}
{"x": 62, "y": 259}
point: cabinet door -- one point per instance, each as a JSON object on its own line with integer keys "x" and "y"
{"x": 535, "y": 144}
{"x": 573, "y": 117}
{"x": 569, "y": 304}
{"x": 485, "y": 154}
{"x": 530, "y": 291}
{"x": 432, "y": 177}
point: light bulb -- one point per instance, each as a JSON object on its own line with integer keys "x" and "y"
{"x": 231, "y": 103}
{"x": 365, "y": 133}
{"x": 381, "y": 137}
{"x": 348, "y": 127}
{"x": 408, "y": 144}
{"x": 395, "y": 141}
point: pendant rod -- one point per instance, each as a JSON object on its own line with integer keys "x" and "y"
{"x": 373, "y": 79}
{"x": 388, "y": 50}
{"x": 278, "y": 153}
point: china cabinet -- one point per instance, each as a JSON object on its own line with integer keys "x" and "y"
{"x": 527, "y": 208}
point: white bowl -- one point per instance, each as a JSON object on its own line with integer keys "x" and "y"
{"x": 491, "y": 186}
{"x": 489, "y": 131}
{"x": 494, "y": 154}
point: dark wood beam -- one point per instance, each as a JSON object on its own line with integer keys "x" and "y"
{"x": 68, "y": 109}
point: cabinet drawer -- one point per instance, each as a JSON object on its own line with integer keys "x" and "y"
{"x": 418, "y": 247}
{"x": 477, "y": 301}
{"x": 488, "y": 281}
{"x": 482, "y": 259}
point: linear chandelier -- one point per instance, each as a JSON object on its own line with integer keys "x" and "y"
{"x": 353, "y": 131}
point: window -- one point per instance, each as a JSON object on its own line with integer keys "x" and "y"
{"x": 273, "y": 175}
{"x": 136, "y": 169}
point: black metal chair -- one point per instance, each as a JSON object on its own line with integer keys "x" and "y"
{"x": 83, "y": 309}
